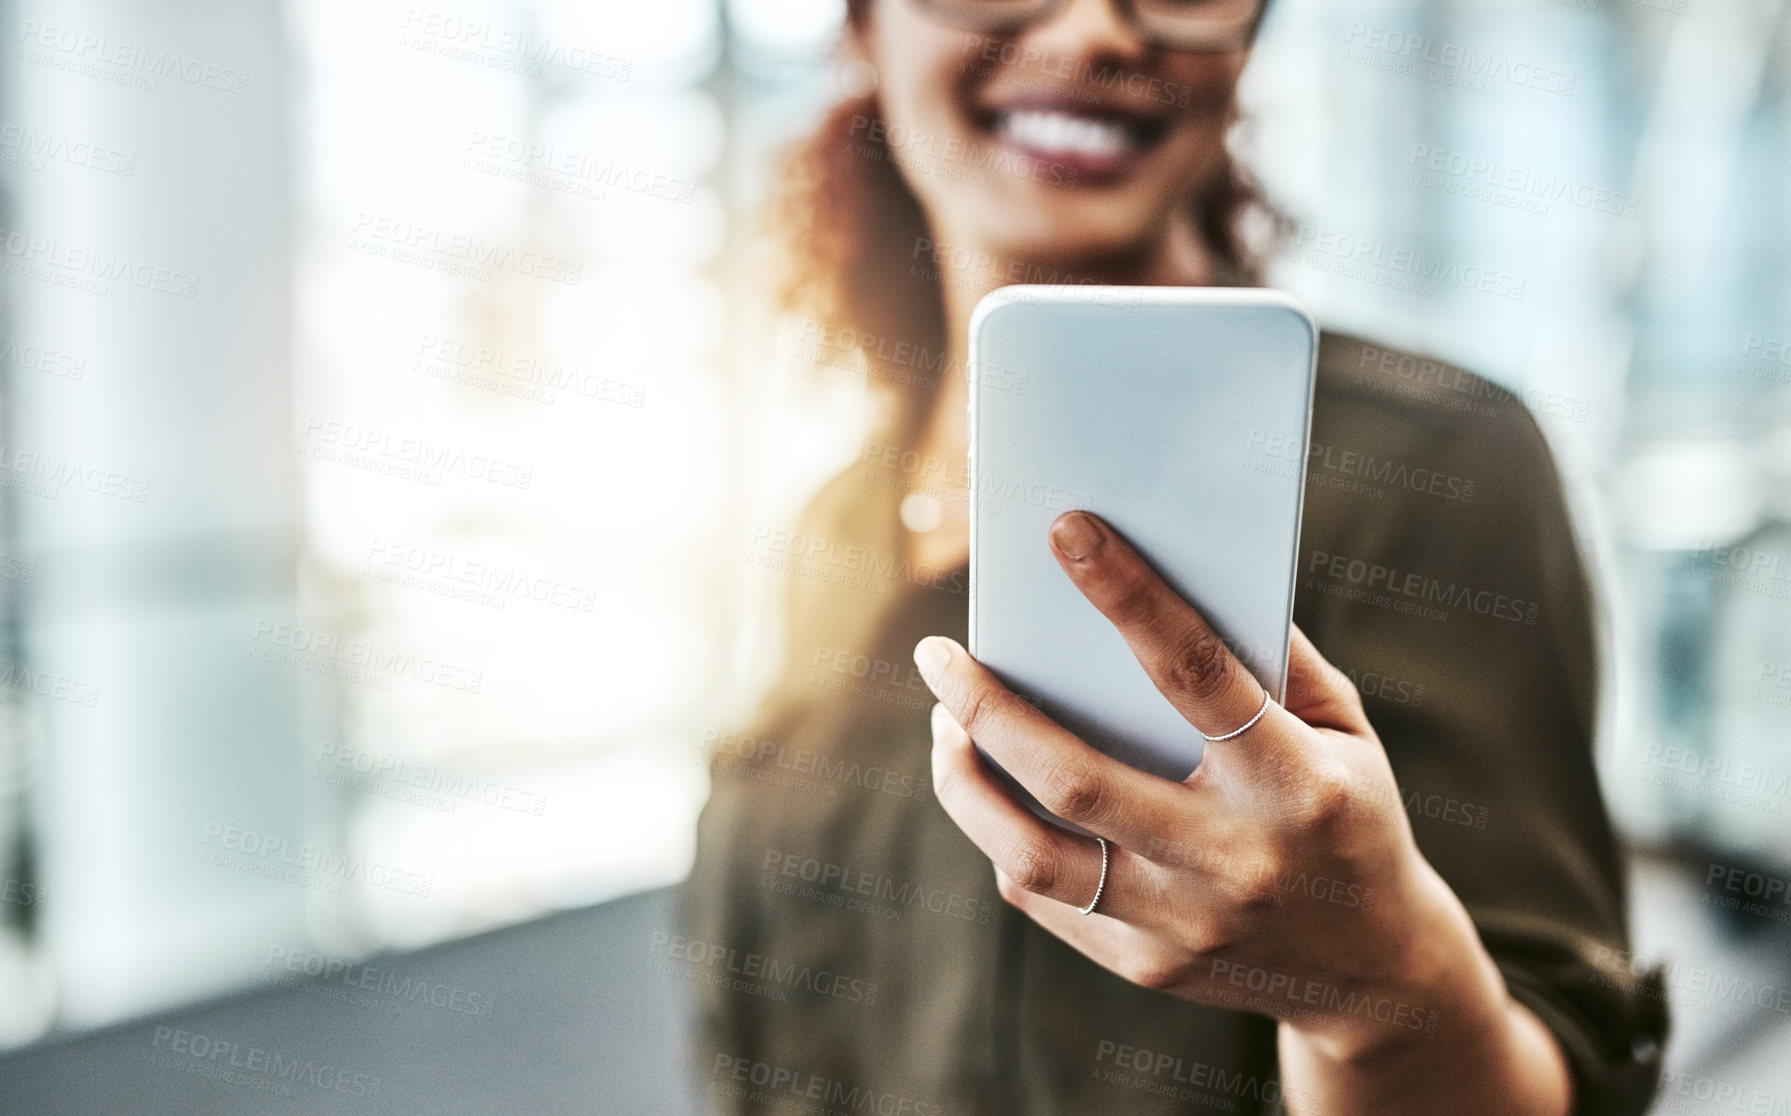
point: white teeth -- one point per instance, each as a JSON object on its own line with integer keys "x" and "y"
{"x": 1059, "y": 133}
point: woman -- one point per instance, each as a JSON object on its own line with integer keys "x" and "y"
{"x": 1396, "y": 893}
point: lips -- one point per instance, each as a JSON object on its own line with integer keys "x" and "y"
{"x": 1101, "y": 143}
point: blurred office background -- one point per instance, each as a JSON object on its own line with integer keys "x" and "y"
{"x": 389, "y": 391}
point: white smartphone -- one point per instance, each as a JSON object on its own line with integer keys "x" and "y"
{"x": 1181, "y": 416}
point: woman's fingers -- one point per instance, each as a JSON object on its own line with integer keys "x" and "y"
{"x": 1186, "y": 659}
{"x": 1320, "y": 694}
{"x": 1069, "y": 778}
{"x": 1029, "y": 853}
{"x": 1128, "y": 951}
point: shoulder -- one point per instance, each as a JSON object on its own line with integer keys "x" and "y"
{"x": 1415, "y": 407}
{"x": 1422, "y": 468}
{"x": 1411, "y": 389}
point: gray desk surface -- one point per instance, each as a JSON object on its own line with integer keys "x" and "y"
{"x": 578, "y": 1024}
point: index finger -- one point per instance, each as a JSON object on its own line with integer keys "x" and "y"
{"x": 1186, "y": 659}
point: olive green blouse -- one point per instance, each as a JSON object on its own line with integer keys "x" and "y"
{"x": 849, "y": 947}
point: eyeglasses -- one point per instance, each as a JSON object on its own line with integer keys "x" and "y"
{"x": 1205, "y": 25}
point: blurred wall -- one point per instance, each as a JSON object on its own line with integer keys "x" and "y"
{"x": 148, "y": 203}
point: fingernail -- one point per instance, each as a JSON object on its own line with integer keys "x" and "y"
{"x": 1076, "y": 535}
{"x": 931, "y": 655}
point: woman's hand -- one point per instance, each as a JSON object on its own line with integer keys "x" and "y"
{"x": 1281, "y": 877}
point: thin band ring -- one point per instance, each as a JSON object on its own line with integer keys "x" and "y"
{"x": 1246, "y": 725}
{"x": 1102, "y": 886}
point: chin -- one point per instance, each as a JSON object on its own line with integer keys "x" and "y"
{"x": 1072, "y": 234}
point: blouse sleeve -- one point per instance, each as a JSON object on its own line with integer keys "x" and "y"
{"x": 1453, "y": 594}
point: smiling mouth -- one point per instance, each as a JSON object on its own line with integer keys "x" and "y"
{"x": 1100, "y": 145}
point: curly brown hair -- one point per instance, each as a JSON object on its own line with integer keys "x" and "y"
{"x": 844, "y": 214}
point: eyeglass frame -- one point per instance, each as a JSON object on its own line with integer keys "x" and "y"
{"x": 952, "y": 14}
